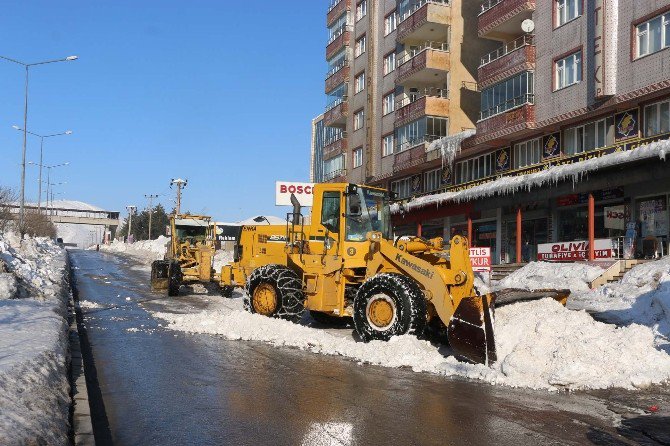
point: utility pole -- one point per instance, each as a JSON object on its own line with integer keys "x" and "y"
{"x": 131, "y": 211}
{"x": 180, "y": 185}
{"x": 150, "y": 197}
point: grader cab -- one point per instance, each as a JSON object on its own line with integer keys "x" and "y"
{"x": 189, "y": 254}
{"x": 346, "y": 263}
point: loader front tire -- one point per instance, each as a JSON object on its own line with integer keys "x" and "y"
{"x": 275, "y": 291}
{"x": 387, "y": 305}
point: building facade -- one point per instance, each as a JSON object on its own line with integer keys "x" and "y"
{"x": 573, "y": 123}
{"x": 316, "y": 152}
{"x": 394, "y": 85}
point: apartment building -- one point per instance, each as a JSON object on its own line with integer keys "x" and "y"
{"x": 396, "y": 71}
{"x": 571, "y": 134}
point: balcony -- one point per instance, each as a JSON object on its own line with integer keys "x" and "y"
{"x": 334, "y": 148}
{"x": 435, "y": 102}
{"x": 337, "y": 176}
{"x": 415, "y": 159}
{"x": 501, "y": 19}
{"x": 338, "y": 41}
{"x": 511, "y": 121}
{"x": 336, "y": 9}
{"x": 336, "y": 113}
{"x": 507, "y": 61}
{"x": 337, "y": 76}
{"x": 430, "y": 64}
{"x": 425, "y": 20}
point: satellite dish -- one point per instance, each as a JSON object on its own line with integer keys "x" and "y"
{"x": 528, "y": 26}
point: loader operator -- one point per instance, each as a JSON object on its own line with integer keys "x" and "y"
{"x": 366, "y": 212}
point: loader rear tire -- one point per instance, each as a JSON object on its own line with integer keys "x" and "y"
{"x": 275, "y": 291}
{"x": 389, "y": 305}
{"x": 174, "y": 278}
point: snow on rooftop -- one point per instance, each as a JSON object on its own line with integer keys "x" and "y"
{"x": 69, "y": 204}
{"x": 250, "y": 221}
{"x": 512, "y": 184}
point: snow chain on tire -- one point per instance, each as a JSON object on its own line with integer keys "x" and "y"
{"x": 409, "y": 301}
{"x": 287, "y": 285}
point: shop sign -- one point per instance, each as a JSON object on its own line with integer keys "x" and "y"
{"x": 480, "y": 259}
{"x": 574, "y": 251}
{"x": 502, "y": 160}
{"x": 653, "y": 217}
{"x": 615, "y": 217}
{"x": 551, "y": 146}
{"x": 627, "y": 124}
{"x": 598, "y": 195}
{"x": 302, "y": 191}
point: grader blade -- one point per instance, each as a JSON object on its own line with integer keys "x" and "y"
{"x": 470, "y": 330}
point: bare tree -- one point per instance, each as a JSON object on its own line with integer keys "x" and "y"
{"x": 7, "y": 198}
{"x": 38, "y": 225}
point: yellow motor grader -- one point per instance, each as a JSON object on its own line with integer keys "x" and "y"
{"x": 188, "y": 257}
{"x": 347, "y": 264}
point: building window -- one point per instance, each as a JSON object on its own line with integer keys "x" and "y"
{"x": 527, "y": 153}
{"x": 657, "y": 118}
{"x": 389, "y": 63}
{"x": 361, "y": 45}
{"x": 331, "y": 135}
{"x": 359, "y": 119}
{"x": 337, "y": 96}
{"x": 653, "y": 35}
{"x": 587, "y": 137}
{"x": 338, "y": 28}
{"x": 336, "y": 63}
{"x": 361, "y": 9}
{"x": 474, "y": 168}
{"x": 567, "y": 10}
{"x": 568, "y": 70}
{"x": 358, "y": 157}
{"x": 359, "y": 82}
{"x": 334, "y": 167}
{"x": 432, "y": 180}
{"x": 387, "y": 145}
{"x": 402, "y": 187}
{"x": 513, "y": 92}
{"x": 421, "y": 131}
{"x": 388, "y": 104}
{"x": 390, "y": 23}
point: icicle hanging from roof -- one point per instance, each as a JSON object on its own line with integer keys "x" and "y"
{"x": 450, "y": 146}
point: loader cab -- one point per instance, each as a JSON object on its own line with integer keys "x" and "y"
{"x": 367, "y": 210}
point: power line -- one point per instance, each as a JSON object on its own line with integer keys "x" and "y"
{"x": 150, "y": 197}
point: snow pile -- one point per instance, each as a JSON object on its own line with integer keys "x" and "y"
{"x": 546, "y": 275}
{"x": 540, "y": 345}
{"x": 145, "y": 250}
{"x": 552, "y": 175}
{"x": 450, "y": 146}
{"x": 221, "y": 258}
{"x": 641, "y": 297}
{"x": 34, "y": 390}
{"x": 82, "y": 235}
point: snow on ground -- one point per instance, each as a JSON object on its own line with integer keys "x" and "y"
{"x": 540, "y": 345}
{"x": 82, "y": 235}
{"x": 34, "y": 389}
{"x": 547, "y": 275}
{"x": 145, "y": 250}
{"x": 641, "y": 297}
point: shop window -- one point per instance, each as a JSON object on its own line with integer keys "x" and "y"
{"x": 402, "y": 187}
{"x": 657, "y": 118}
{"x": 591, "y": 136}
{"x": 432, "y": 180}
{"x": 527, "y": 153}
{"x": 653, "y": 217}
{"x": 474, "y": 168}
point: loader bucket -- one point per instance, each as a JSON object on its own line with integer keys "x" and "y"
{"x": 470, "y": 330}
{"x": 159, "y": 275}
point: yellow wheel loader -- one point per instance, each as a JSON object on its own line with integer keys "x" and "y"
{"x": 189, "y": 255}
{"x": 347, "y": 264}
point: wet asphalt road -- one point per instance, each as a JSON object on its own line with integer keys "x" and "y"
{"x": 152, "y": 386}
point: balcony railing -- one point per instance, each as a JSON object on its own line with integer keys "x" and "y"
{"x": 507, "y": 48}
{"x": 338, "y": 32}
{"x": 343, "y": 63}
{"x": 488, "y": 4}
{"x": 440, "y": 46}
{"x": 417, "y": 5}
{"x": 507, "y": 105}
{"x": 415, "y": 96}
{"x": 334, "y": 174}
{"x": 333, "y": 4}
{"x": 413, "y": 142}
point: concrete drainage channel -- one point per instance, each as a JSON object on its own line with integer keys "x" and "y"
{"x": 88, "y": 418}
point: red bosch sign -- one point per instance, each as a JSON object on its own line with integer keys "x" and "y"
{"x": 302, "y": 191}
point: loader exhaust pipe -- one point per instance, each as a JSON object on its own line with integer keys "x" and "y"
{"x": 296, "y": 209}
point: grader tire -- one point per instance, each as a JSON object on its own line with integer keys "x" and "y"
{"x": 389, "y": 305}
{"x": 330, "y": 320}
{"x": 174, "y": 279}
{"x": 275, "y": 291}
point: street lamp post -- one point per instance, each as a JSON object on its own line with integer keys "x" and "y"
{"x": 39, "y": 193}
{"x": 25, "y": 127}
{"x": 48, "y": 182}
{"x": 131, "y": 211}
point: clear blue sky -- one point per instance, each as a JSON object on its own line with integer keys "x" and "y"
{"x": 219, "y": 92}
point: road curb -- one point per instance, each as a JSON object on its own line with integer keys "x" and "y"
{"x": 82, "y": 426}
